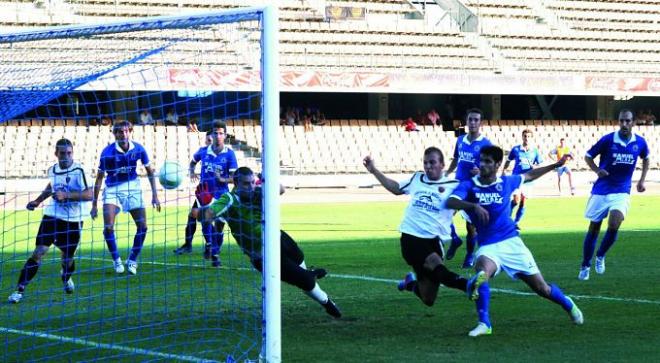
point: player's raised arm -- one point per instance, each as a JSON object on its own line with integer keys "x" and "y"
{"x": 389, "y": 184}
{"x": 47, "y": 192}
{"x": 191, "y": 171}
{"x": 154, "y": 192}
{"x": 542, "y": 170}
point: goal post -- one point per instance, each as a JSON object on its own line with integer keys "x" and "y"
{"x": 185, "y": 72}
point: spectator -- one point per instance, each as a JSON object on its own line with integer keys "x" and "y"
{"x": 171, "y": 118}
{"x": 290, "y": 117}
{"x": 650, "y": 117}
{"x": 433, "y": 118}
{"x": 146, "y": 118}
{"x": 409, "y": 125}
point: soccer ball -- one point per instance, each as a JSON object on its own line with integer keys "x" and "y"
{"x": 171, "y": 174}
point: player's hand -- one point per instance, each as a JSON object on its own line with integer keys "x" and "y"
{"x": 94, "y": 212}
{"x": 640, "y": 187}
{"x": 369, "y": 164}
{"x": 481, "y": 213}
{"x": 474, "y": 171}
{"x": 564, "y": 159}
{"x": 194, "y": 178}
{"x": 602, "y": 173}
{"x": 204, "y": 197}
{"x": 155, "y": 202}
{"x": 60, "y": 196}
{"x": 32, "y": 205}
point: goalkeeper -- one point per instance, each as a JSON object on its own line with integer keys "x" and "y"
{"x": 242, "y": 210}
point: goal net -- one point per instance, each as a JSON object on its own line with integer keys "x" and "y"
{"x": 172, "y": 78}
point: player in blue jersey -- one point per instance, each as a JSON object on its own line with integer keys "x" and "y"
{"x": 610, "y": 195}
{"x": 487, "y": 198}
{"x": 425, "y": 226}
{"x": 118, "y": 166}
{"x": 63, "y": 217}
{"x": 191, "y": 226}
{"x": 466, "y": 164}
{"x": 218, "y": 163}
{"x": 525, "y": 157}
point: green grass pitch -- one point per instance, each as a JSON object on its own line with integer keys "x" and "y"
{"x": 180, "y": 306}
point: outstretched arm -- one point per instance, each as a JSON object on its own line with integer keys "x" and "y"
{"x": 506, "y": 166}
{"x": 479, "y": 211}
{"x": 47, "y": 192}
{"x": 97, "y": 188}
{"x": 452, "y": 166}
{"x": 154, "y": 191}
{"x": 540, "y": 171}
{"x": 389, "y": 184}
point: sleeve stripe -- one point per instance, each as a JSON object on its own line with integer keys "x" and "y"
{"x": 455, "y": 197}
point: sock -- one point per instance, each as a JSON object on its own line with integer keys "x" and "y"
{"x": 520, "y": 211}
{"x": 27, "y": 273}
{"x": 483, "y": 304}
{"x": 218, "y": 238}
{"x": 191, "y": 227}
{"x": 207, "y": 230}
{"x": 454, "y": 236}
{"x": 67, "y": 270}
{"x": 607, "y": 242}
{"x": 138, "y": 241}
{"x": 317, "y": 294}
{"x": 471, "y": 241}
{"x": 111, "y": 242}
{"x": 557, "y": 296}
{"x": 448, "y": 278}
{"x": 513, "y": 205}
{"x": 588, "y": 248}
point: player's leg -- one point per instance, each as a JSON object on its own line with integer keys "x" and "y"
{"x": 521, "y": 208}
{"x": 191, "y": 228}
{"x": 478, "y": 289}
{"x": 559, "y": 180}
{"x": 470, "y": 244}
{"x": 140, "y": 218}
{"x": 68, "y": 238}
{"x": 570, "y": 180}
{"x": 218, "y": 239}
{"x": 109, "y": 213}
{"x": 45, "y": 237}
{"x": 290, "y": 248}
{"x": 456, "y": 242}
{"x": 614, "y": 221}
{"x": 435, "y": 268}
{"x": 553, "y": 293}
{"x": 596, "y": 211}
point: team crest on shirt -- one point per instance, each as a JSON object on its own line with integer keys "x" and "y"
{"x": 635, "y": 148}
{"x": 477, "y": 148}
{"x": 498, "y": 187}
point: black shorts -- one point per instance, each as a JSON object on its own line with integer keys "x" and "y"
{"x": 415, "y": 250}
{"x": 65, "y": 235}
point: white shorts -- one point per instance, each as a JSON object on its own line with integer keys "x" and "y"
{"x": 126, "y": 195}
{"x": 599, "y": 206}
{"x": 510, "y": 255}
{"x": 563, "y": 170}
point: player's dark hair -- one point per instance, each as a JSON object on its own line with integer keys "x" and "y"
{"x": 219, "y": 125}
{"x": 121, "y": 124}
{"x": 495, "y": 152}
{"x": 432, "y": 150}
{"x": 242, "y": 171}
{"x": 63, "y": 143}
{"x": 627, "y": 110}
{"x": 527, "y": 131}
{"x": 474, "y": 110}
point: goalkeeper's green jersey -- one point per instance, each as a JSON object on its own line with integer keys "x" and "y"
{"x": 244, "y": 219}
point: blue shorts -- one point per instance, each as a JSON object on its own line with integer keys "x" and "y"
{"x": 563, "y": 169}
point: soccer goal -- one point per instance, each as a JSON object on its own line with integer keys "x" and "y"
{"x": 173, "y": 78}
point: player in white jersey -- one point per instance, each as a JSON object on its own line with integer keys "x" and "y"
{"x": 425, "y": 226}
{"x": 62, "y": 220}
